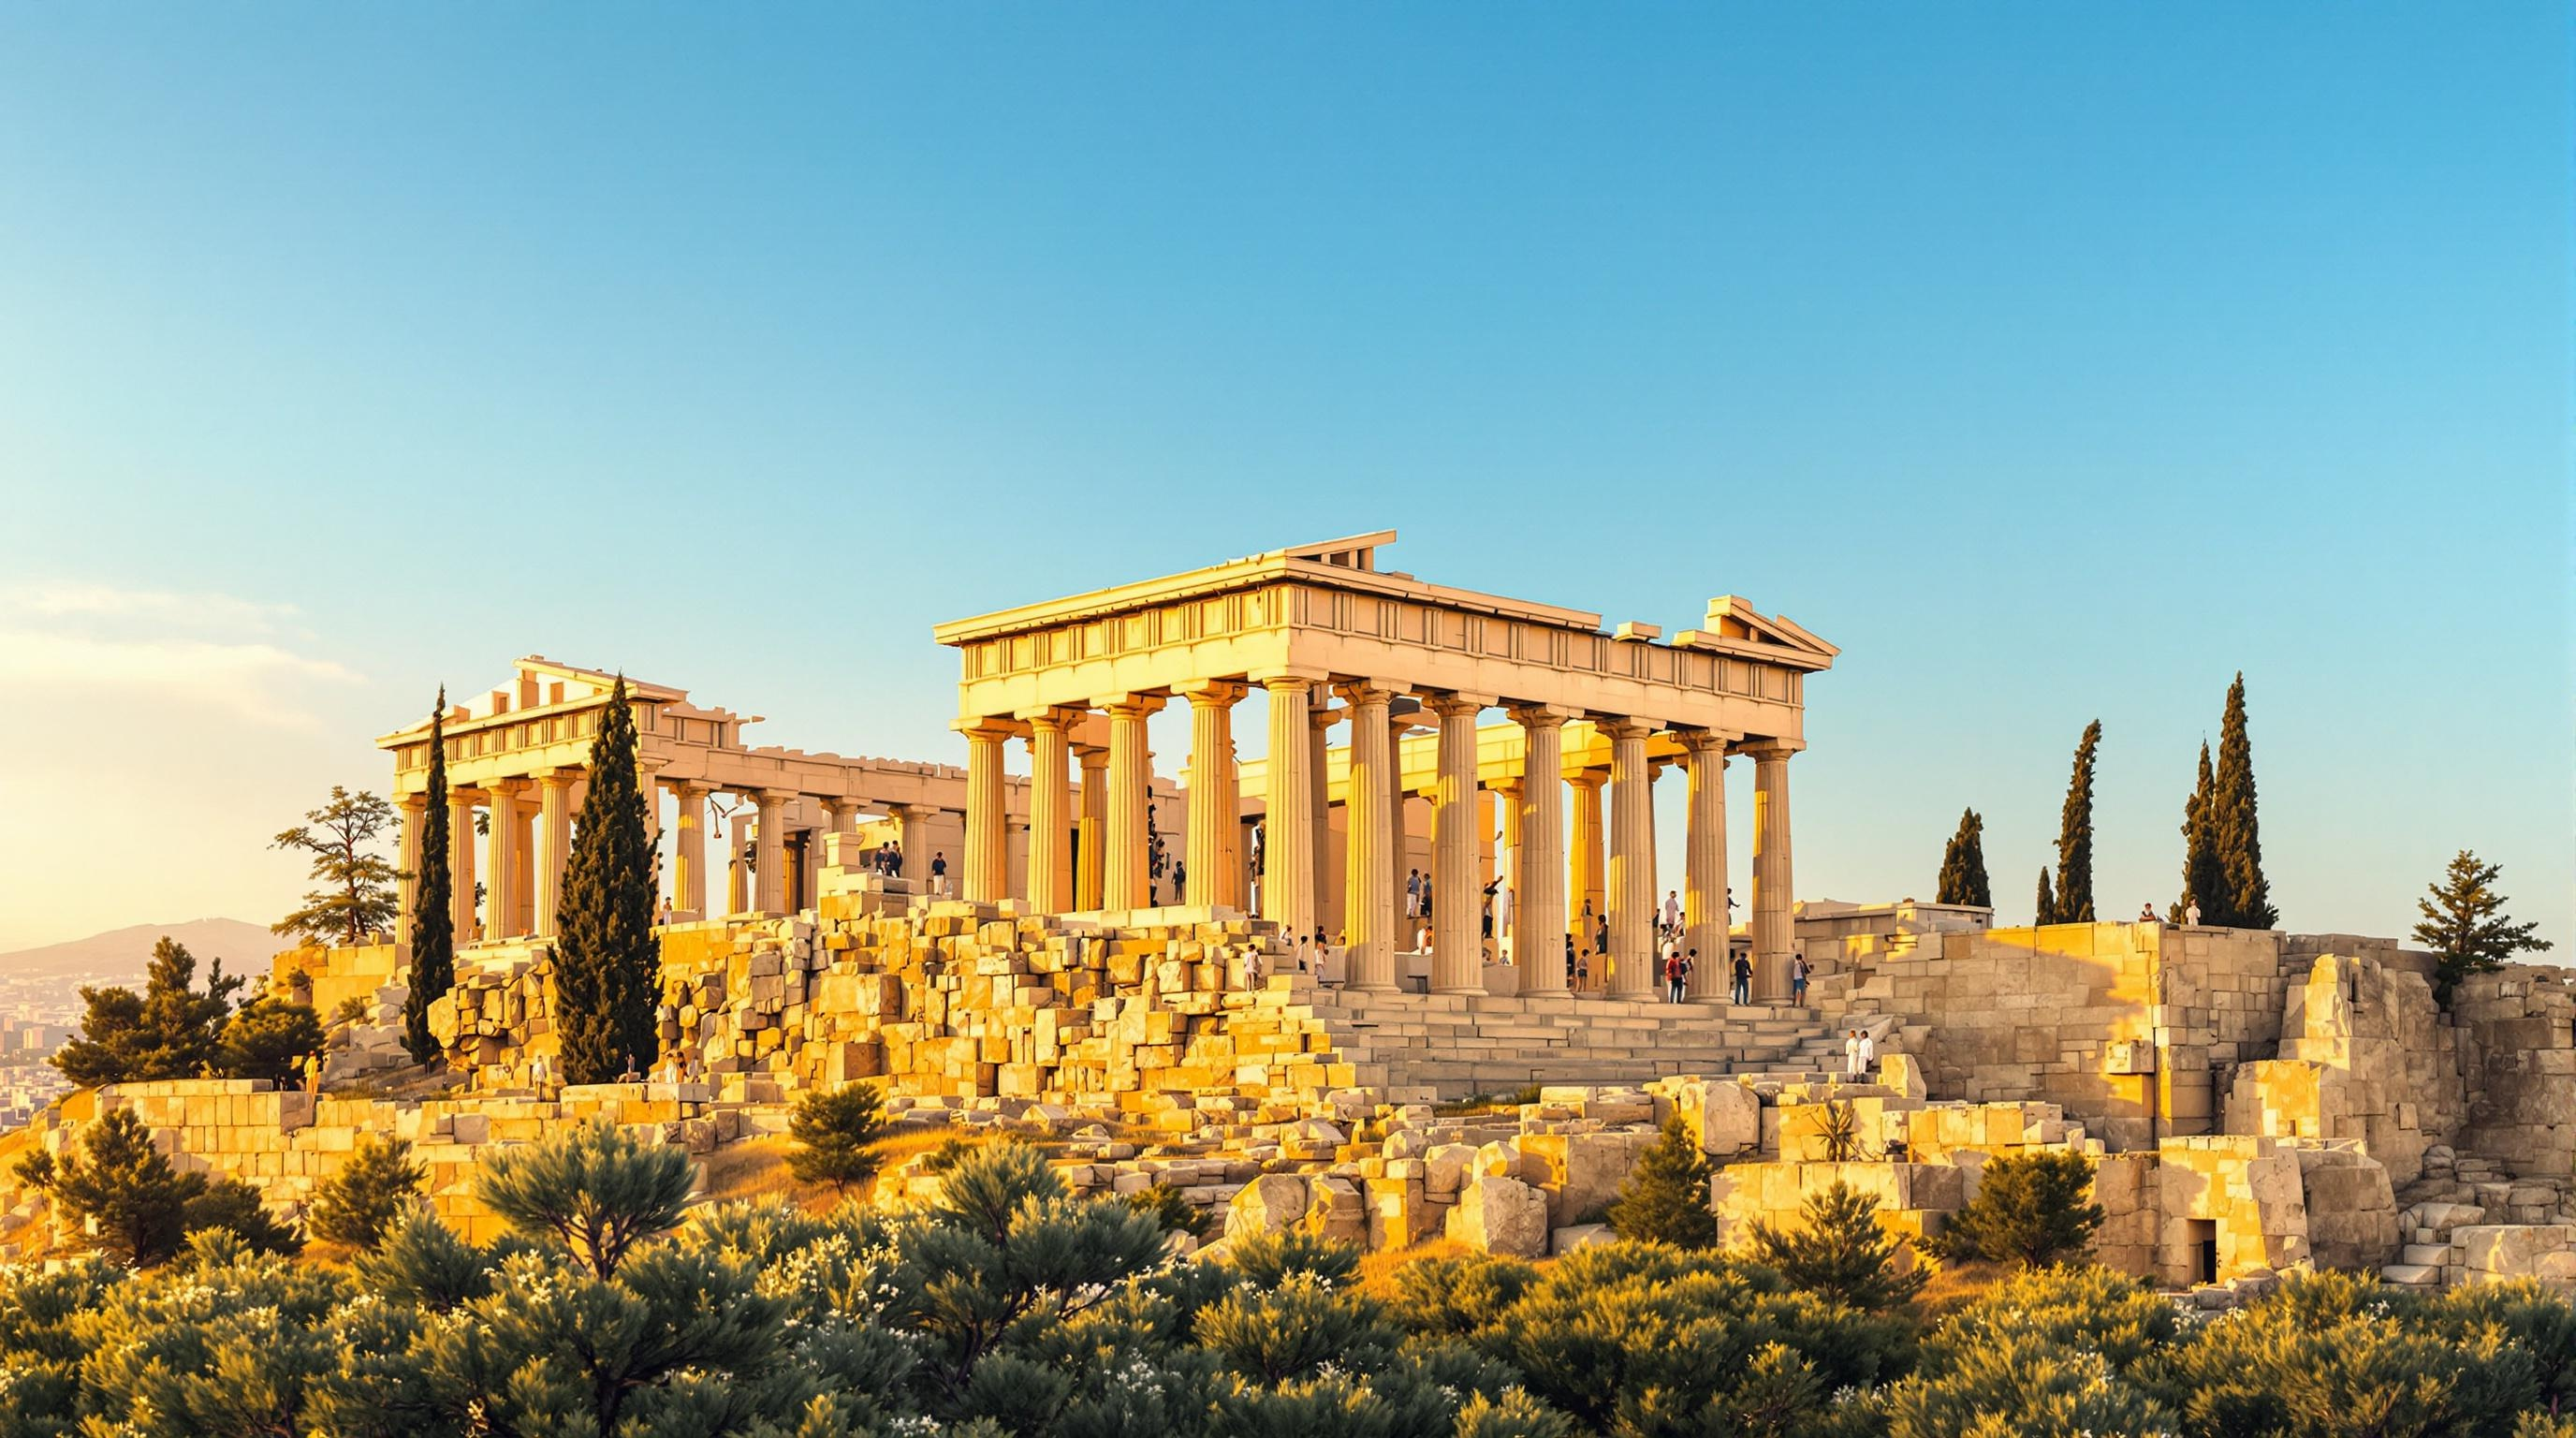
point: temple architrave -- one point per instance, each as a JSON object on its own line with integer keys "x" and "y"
{"x": 1336, "y": 642}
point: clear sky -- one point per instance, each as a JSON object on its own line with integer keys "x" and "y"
{"x": 2055, "y": 361}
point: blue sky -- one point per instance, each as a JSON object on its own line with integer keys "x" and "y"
{"x": 2056, "y": 362}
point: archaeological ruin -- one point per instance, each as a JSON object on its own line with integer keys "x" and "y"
{"x": 1271, "y": 982}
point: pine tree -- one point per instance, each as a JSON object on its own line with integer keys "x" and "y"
{"x": 2238, "y": 838}
{"x": 2074, "y": 903}
{"x": 607, "y": 964}
{"x": 433, "y": 916}
{"x": 1665, "y": 1199}
{"x": 2047, "y": 899}
{"x": 2464, "y": 922}
{"x": 1963, "y": 865}
{"x": 2202, "y": 880}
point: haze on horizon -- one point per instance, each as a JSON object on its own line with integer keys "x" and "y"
{"x": 2054, "y": 364}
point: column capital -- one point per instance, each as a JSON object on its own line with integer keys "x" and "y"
{"x": 1539, "y": 716}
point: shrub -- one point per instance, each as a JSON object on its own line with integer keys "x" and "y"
{"x": 832, "y": 1130}
{"x": 1665, "y": 1199}
{"x": 595, "y": 1189}
{"x": 127, "y": 1190}
{"x": 228, "y": 1205}
{"x": 2030, "y": 1208}
{"x": 1840, "y": 1251}
{"x": 358, "y": 1202}
{"x": 268, "y": 1039}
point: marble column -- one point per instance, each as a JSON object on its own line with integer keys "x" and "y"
{"x": 1704, "y": 865}
{"x": 1131, "y": 778}
{"x": 689, "y": 850}
{"x": 413, "y": 812}
{"x": 1050, "y": 825}
{"x": 554, "y": 842}
{"x": 1212, "y": 800}
{"x": 1369, "y": 911}
{"x": 988, "y": 855}
{"x": 1774, "y": 928}
{"x": 1587, "y": 902}
{"x": 1095, "y": 826}
{"x": 1289, "y": 858}
{"x": 1320, "y": 719}
{"x": 1457, "y": 946}
{"x": 1632, "y": 847}
{"x": 1538, "y": 863}
{"x": 501, "y": 861}
{"x": 460, "y": 862}
{"x": 769, "y": 868}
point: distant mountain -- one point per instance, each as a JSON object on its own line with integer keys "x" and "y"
{"x": 120, "y": 955}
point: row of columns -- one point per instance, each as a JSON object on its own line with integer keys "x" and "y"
{"x": 1619, "y": 863}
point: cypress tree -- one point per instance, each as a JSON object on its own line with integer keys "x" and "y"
{"x": 2238, "y": 837}
{"x": 2202, "y": 881}
{"x": 1963, "y": 865}
{"x": 2047, "y": 899}
{"x": 2075, "y": 835}
{"x": 607, "y": 963}
{"x": 433, "y": 914}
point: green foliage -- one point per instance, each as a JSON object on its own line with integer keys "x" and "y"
{"x": 370, "y": 1191}
{"x": 2203, "y": 879}
{"x": 123, "y": 1187}
{"x": 595, "y": 1189}
{"x": 170, "y": 1031}
{"x": 1839, "y": 1250}
{"x": 1963, "y": 865}
{"x": 1665, "y": 1199}
{"x": 2030, "y": 1208}
{"x": 356, "y": 900}
{"x": 2073, "y": 903}
{"x": 2235, "y": 828}
{"x": 230, "y": 1206}
{"x": 2464, "y": 922}
{"x": 832, "y": 1130}
{"x": 268, "y": 1039}
{"x": 433, "y": 913}
{"x": 607, "y": 962}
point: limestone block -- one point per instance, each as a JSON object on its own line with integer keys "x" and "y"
{"x": 1501, "y": 1215}
{"x": 1273, "y": 1203}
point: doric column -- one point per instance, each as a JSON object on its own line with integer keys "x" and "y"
{"x": 1457, "y": 945}
{"x": 689, "y": 850}
{"x": 1586, "y": 901}
{"x": 769, "y": 868}
{"x": 1774, "y": 931}
{"x": 1288, "y": 859}
{"x": 1050, "y": 826}
{"x": 412, "y": 812}
{"x": 1095, "y": 826}
{"x": 1632, "y": 846}
{"x": 1704, "y": 864}
{"x": 501, "y": 861}
{"x": 554, "y": 842}
{"x": 1369, "y": 913}
{"x": 1538, "y": 864}
{"x": 460, "y": 862}
{"x": 988, "y": 853}
{"x": 1212, "y": 803}
{"x": 1131, "y": 779}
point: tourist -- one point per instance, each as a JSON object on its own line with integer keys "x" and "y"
{"x": 1676, "y": 969}
{"x": 2191, "y": 913}
{"x": 1798, "y": 980}
{"x": 1851, "y": 1055}
{"x": 1672, "y": 909}
{"x": 939, "y": 872}
{"x": 1743, "y": 979}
